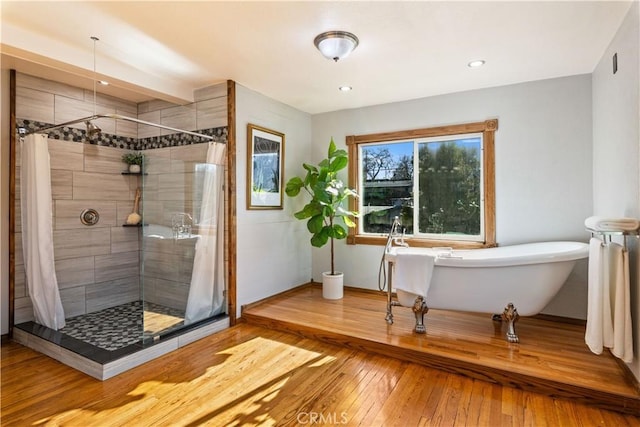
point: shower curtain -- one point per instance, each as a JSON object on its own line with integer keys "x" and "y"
{"x": 37, "y": 232}
{"x": 206, "y": 292}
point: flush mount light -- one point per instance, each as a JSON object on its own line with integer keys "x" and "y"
{"x": 476, "y": 64}
{"x": 336, "y": 44}
{"x": 345, "y": 88}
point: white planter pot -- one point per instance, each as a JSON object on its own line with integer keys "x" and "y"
{"x": 135, "y": 168}
{"x": 332, "y": 285}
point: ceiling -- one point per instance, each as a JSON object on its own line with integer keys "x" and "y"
{"x": 407, "y": 50}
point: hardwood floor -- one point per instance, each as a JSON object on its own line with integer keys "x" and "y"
{"x": 250, "y": 375}
{"x": 551, "y": 357}
{"x": 253, "y": 375}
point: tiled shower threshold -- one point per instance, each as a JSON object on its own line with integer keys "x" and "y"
{"x": 104, "y": 364}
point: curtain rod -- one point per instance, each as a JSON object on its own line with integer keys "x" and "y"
{"x": 23, "y": 131}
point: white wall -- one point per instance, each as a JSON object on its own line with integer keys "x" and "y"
{"x": 616, "y": 144}
{"x": 273, "y": 251}
{"x": 543, "y": 166}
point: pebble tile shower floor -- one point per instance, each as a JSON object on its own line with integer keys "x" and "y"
{"x": 117, "y": 327}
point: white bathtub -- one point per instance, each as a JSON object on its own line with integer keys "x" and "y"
{"x": 487, "y": 280}
{"x": 163, "y": 232}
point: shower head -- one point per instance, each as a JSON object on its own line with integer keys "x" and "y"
{"x": 92, "y": 129}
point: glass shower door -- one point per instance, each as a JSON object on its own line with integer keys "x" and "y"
{"x": 181, "y": 276}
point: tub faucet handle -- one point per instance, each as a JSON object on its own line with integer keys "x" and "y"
{"x": 181, "y": 223}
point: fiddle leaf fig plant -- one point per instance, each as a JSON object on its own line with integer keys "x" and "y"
{"x": 325, "y": 210}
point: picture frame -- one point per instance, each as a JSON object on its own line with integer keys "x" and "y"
{"x": 265, "y": 168}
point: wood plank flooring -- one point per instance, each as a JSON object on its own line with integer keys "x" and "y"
{"x": 252, "y": 376}
{"x": 551, "y": 357}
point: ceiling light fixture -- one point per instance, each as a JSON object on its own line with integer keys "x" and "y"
{"x": 476, "y": 64}
{"x": 345, "y": 88}
{"x": 336, "y": 44}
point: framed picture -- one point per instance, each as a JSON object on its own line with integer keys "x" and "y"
{"x": 265, "y": 168}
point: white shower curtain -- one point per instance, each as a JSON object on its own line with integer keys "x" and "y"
{"x": 37, "y": 232}
{"x": 206, "y": 292}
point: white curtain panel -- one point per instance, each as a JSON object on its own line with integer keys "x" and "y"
{"x": 37, "y": 232}
{"x": 206, "y": 292}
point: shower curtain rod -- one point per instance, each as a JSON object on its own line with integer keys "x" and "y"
{"x": 23, "y": 131}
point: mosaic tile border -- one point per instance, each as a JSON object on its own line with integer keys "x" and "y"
{"x": 178, "y": 139}
{"x": 66, "y": 133}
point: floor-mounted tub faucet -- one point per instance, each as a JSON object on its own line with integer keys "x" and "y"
{"x": 395, "y": 236}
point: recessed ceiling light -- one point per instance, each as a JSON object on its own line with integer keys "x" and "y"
{"x": 476, "y": 64}
{"x": 103, "y": 82}
{"x": 345, "y": 88}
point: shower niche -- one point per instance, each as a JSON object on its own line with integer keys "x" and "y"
{"x": 130, "y": 292}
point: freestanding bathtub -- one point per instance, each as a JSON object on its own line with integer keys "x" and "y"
{"x": 512, "y": 280}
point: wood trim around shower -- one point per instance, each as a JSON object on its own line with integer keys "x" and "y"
{"x": 12, "y": 200}
{"x": 231, "y": 190}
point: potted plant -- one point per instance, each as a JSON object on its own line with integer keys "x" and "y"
{"x": 324, "y": 211}
{"x": 134, "y": 159}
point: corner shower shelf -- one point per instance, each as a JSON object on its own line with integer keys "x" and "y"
{"x": 134, "y": 225}
{"x": 133, "y": 173}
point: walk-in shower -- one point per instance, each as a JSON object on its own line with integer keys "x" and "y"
{"x": 98, "y": 286}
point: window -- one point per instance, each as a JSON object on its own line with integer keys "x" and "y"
{"x": 438, "y": 181}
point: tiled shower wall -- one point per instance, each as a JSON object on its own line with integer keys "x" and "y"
{"x": 99, "y": 266}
